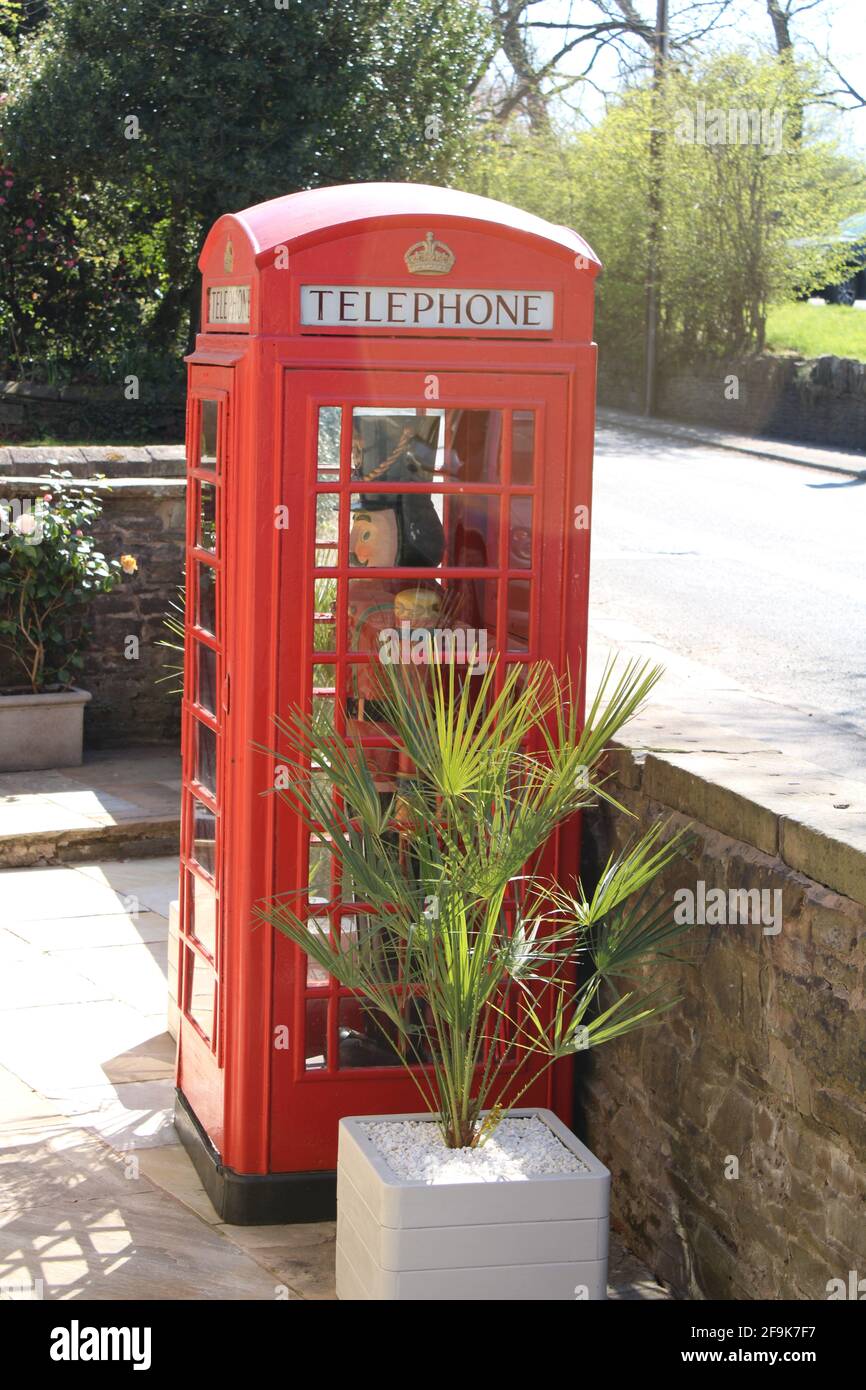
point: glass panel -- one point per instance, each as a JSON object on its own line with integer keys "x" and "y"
{"x": 316, "y": 974}
{"x": 319, "y": 876}
{"x": 206, "y": 534}
{"x": 324, "y": 677}
{"x": 200, "y": 982}
{"x": 423, "y": 530}
{"x": 207, "y": 453}
{"x": 397, "y": 446}
{"x": 454, "y": 621}
{"x": 324, "y": 615}
{"x": 471, "y": 606}
{"x": 522, "y": 446}
{"x": 394, "y": 445}
{"x": 327, "y": 528}
{"x": 518, "y": 615}
{"x": 207, "y": 677}
{"x": 316, "y": 1034}
{"x": 205, "y": 756}
{"x": 206, "y": 616}
{"x": 330, "y": 417}
{"x": 204, "y": 837}
{"x": 323, "y": 713}
{"x": 363, "y": 1042}
{"x": 319, "y": 784}
{"x": 202, "y": 911}
{"x": 520, "y": 534}
{"x": 475, "y": 442}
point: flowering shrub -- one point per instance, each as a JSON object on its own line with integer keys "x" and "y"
{"x": 49, "y": 571}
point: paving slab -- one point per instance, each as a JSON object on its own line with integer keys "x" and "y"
{"x": 97, "y": 1197}
{"x": 38, "y": 894}
{"x": 118, "y": 802}
{"x": 90, "y": 1225}
{"x": 131, "y": 1116}
{"x": 84, "y": 933}
{"x": 38, "y": 981}
{"x": 152, "y": 884}
{"x": 59, "y": 1048}
{"x": 136, "y": 975}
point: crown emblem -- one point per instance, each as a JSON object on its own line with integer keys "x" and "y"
{"x": 429, "y": 257}
{"x": 229, "y": 258}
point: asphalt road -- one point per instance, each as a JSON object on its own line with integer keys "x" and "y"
{"x": 752, "y": 567}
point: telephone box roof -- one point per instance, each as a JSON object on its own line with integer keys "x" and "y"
{"x": 315, "y": 215}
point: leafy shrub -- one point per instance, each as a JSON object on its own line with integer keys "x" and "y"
{"x": 50, "y": 570}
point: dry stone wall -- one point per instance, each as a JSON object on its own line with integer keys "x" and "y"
{"x": 736, "y": 1128}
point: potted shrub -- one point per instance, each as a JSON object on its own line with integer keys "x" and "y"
{"x": 480, "y": 972}
{"x": 50, "y": 570}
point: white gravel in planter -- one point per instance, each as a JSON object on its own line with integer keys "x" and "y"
{"x": 516, "y": 1150}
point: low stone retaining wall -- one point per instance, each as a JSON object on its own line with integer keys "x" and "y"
{"x": 822, "y": 401}
{"x": 736, "y": 1129}
{"x": 144, "y": 517}
{"x": 29, "y": 412}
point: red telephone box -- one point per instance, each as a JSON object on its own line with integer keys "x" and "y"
{"x": 345, "y": 329}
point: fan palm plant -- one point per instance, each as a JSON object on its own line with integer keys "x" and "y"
{"x": 477, "y": 967}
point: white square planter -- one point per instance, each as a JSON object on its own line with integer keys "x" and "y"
{"x": 42, "y": 731}
{"x": 543, "y": 1237}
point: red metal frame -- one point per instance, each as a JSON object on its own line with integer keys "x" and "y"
{"x": 263, "y": 1110}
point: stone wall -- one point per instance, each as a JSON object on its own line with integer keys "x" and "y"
{"x": 763, "y": 1062}
{"x": 821, "y": 401}
{"x": 29, "y": 412}
{"x": 143, "y": 517}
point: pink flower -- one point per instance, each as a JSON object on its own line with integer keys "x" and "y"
{"x": 28, "y": 222}
{"x": 2, "y": 200}
{"x": 26, "y": 525}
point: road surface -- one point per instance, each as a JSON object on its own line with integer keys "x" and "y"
{"x": 752, "y": 567}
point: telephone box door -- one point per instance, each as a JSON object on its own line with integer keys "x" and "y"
{"x": 467, "y": 533}
{"x": 201, "y": 965}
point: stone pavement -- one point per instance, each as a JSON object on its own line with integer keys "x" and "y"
{"x": 829, "y": 459}
{"x": 97, "y": 1197}
{"x": 120, "y": 802}
{"x": 756, "y": 770}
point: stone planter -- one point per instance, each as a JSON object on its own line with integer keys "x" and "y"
{"x": 543, "y": 1237}
{"x": 40, "y": 731}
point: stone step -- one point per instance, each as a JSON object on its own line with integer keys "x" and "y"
{"x": 122, "y": 803}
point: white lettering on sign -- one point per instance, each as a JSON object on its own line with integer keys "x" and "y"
{"x": 228, "y": 304}
{"x": 382, "y": 306}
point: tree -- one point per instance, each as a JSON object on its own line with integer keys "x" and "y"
{"x": 536, "y": 41}
{"x": 745, "y": 205}
{"x": 190, "y": 109}
{"x": 783, "y": 14}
